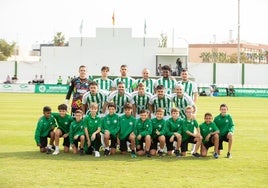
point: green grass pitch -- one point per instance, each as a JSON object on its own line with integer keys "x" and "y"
{"x": 22, "y": 165}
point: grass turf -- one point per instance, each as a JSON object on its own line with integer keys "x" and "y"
{"x": 21, "y": 164}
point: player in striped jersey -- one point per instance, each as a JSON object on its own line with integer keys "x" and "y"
{"x": 166, "y": 80}
{"x": 148, "y": 82}
{"x": 141, "y": 100}
{"x": 128, "y": 81}
{"x": 93, "y": 96}
{"x": 189, "y": 87}
{"x": 104, "y": 82}
{"x": 160, "y": 100}
{"x": 182, "y": 100}
{"x": 119, "y": 98}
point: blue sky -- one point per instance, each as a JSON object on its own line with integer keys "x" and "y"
{"x": 197, "y": 21}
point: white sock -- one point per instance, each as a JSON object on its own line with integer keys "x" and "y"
{"x": 161, "y": 150}
{"x": 107, "y": 148}
{"x": 57, "y": 148}
{"x": 49, "y": 146}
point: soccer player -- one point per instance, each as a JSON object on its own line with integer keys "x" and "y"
{"x": 173, "y": 132}
{"x": 182, "y": 100}
{"x": 210, "y": 134}
{"x": 141, "y": 100}
{"x": 77, "y": 133}
{"x": 126, "y": 131}
{"x": 166, "y": 80}
{"x": 104, "y": 82}
{"x": 189, "y": 86}
{"x": 147, "y": 81}
{"x": 94, "y": 96}
{"x": 190, "y": 133}
{"x": 64, "y": 121}
{"x": 160, "y": 100}
{"x": 225, "y": 124}
{"x": 78, "y": 86}
{"x": 119, "y": 98}
{"x": 44, "y": 129}
{"x": 110, "y": 128}
{"x": 128, "y": 81}
{"x": 92, "y": 125}
{"x": 143, "y": 131}
{"x": 158, "y": 133}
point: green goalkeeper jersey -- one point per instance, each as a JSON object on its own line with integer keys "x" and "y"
{"x": 127, "y": 124}
{"x": 110, "y": 123}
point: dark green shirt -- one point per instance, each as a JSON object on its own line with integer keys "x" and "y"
{"x": 76, "y": 128}
{"x": 159, "y": 125}
{"x": 188, "y": 125}
{"x": 224, "y": 123}
{"x": 92, "y": 123}
{"x": 206, "y": 129}
{"x": 44, "y": 126}
{"x": 173, "y": 126}
{"x": 110, "y": 123}
{"x": 127, "y": 124}
{"x": 63, "y": 123}
{"x": 143, "y": 128}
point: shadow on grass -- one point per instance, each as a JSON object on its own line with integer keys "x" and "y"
{"x": 35, "y": 155}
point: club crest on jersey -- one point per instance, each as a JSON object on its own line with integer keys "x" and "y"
{"x": 96, "y": 121}
{"x": 115, "y": 121}
{"x": 65, "y": 123}
{"x": 226, "y": 121}
{"x": 130, "y": 123}
{"x": 210, "y": 128}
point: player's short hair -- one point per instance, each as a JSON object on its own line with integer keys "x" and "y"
{"x": 184, "y": 70}
{"x": 46, "y": 109}
{"x": 208, "y": 114}
{"x": 78, "y": 111}
{"x": 62, "y": 107}
{"x": 143, "y": 111}
{"x": 179, "y": 86}
{"x": 94, "y": 105}
{"x": 160, "y": 110}
{"x": 175, "y": 110}
{"x": 160, "y": 87}
{"x": 189, "y": 108}
{"x": 166, "y": 67}
{"x": 223, "y": 105}
{"x": 122, "y": 66}
{"x": 105, "y": 68}
{"x": 127, "y": 106}
{"x": 93, "y": 83}
{"x": 120, "y": 83}
{"x": 82, "y": 66}
{"x": 141, "y": 84}
{"x": 111, "y": 104}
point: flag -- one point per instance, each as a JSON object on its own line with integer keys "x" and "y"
{"x": 81, "y": 27}
{"x": 113, "y": 18}
{"x": 145, "y": 27}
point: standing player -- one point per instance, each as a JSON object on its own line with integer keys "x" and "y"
{"x": 44, "y": 129}
{"x": 182, "y": 100}
{"x": 93, "y": 96}
{"x": 173, "y": 132}
{"x": 78, "y": 86}
{"x": 190, "y": 133}
{"x": 128, "y": 81}
{"x": 189, "y": 87}
{"x": 141, "y": 99}
{"x": 119, "y": 98}
{"x": 104, "y": 82}
{"x": 77, "y": 133}
{"x": 210, "y": 134}
{"x": 225, "y": 124}
{"x": 143, "y": 131}
{"x": 160, "y": 100}
{"x": 92, "y": 125}
{"x": 126, "y": 131}
{"x": 110, "y": 128}
{"x": 158, "y": 133}
{"x": 64, "y": 121}
{"x": 166, "y": 80}
{"x": 147, "y": 81}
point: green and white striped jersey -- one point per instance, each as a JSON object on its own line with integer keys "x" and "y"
{"x": 120, "y": 100}
{"x": 141, "y": 102}
{"x": 104, "y": 84}
{"x": 182, "y": 102}
{"x": 128, "y": 83}
{"x": 164, "y": 103}
{"x": 99, "y": 98}
{"x": 189, "y": 87}
{"x": 169, "y": 84}
{"x": 149, "y": 84}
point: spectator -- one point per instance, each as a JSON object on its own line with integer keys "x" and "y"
{"x": 68, "y": 80}
{"x": 179, "y": 66}
{"x": 14, "y": 79}
{"x": 8, "y": 80}
{"x": 41, "y": 79}
{"x": 159, "y": 70}
{"x": 59, "y": 82}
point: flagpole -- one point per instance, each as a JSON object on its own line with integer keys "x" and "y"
{"x": 144, "y": 32}
{"x": 113, "y": 19}
{"x": 81, "y": 31}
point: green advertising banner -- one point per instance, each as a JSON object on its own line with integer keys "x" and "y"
{"x": 51, "y": 88}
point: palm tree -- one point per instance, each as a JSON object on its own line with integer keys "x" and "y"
{"x": 59, "y": 39}
{"x": 205, "y": 57}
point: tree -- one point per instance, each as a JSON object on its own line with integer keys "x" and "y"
{"x": 6, "y": 50}
{"x": 59, "y": 39}
{"x": 163, "y": 41}
{"x": 206, "y": 56}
